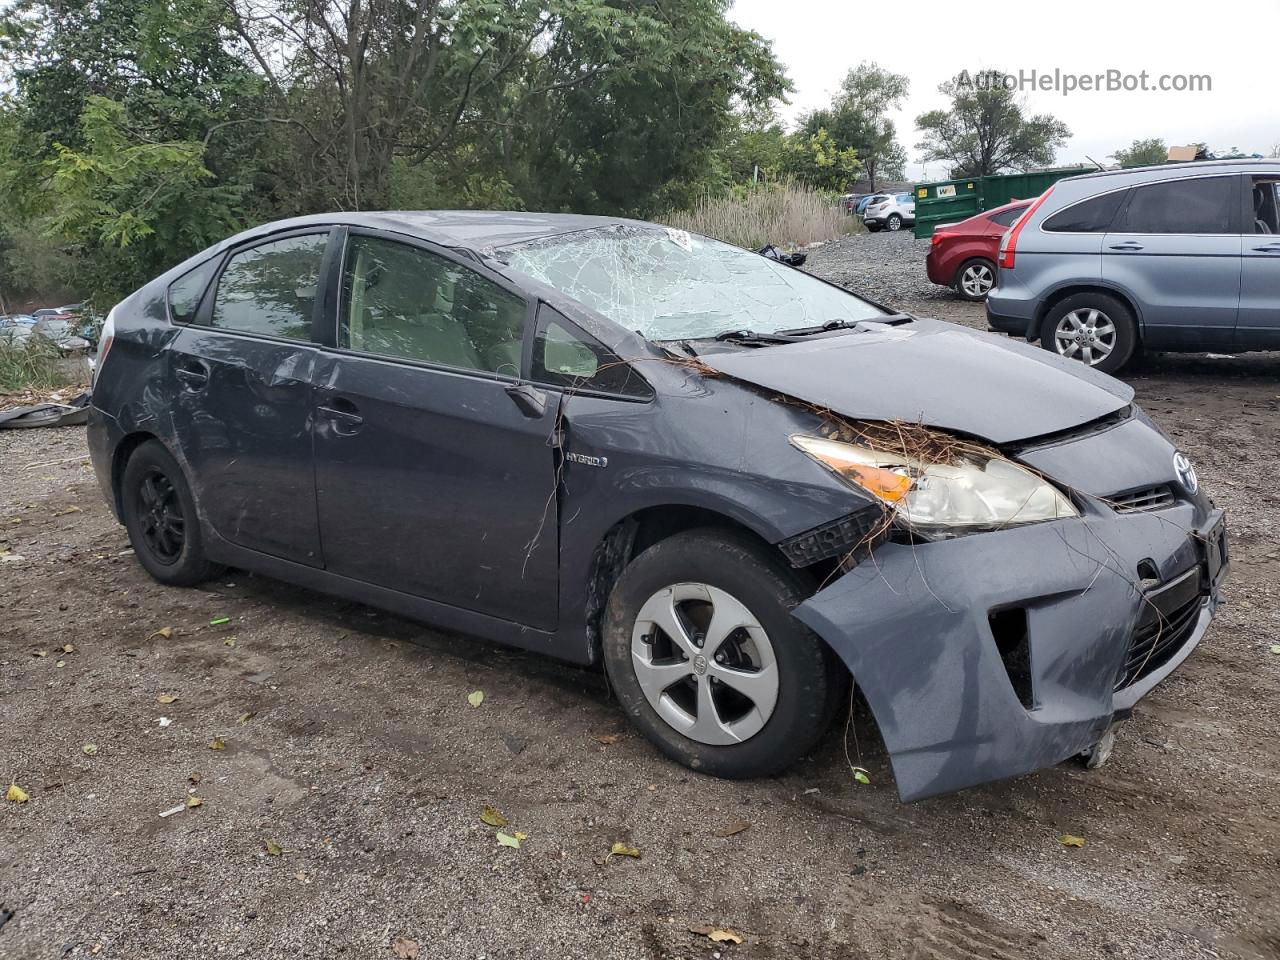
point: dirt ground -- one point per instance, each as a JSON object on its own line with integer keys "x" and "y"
{"x": 350, "y": 745}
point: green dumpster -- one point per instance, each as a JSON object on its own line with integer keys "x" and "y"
{"x": 950, "y": 201}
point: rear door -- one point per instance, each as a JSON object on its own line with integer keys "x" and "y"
{"x": 435, "y": 467}
{"x": 241, "y": 369}
{"x": 1175, "y": 248}
{"x": 1258, "y": 327}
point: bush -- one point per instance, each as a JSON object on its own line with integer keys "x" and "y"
{"x": 30, "y": 363}
{"x": 786, "y": 214}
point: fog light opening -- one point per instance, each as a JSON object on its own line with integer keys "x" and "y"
{"x": 1009, "y": 629}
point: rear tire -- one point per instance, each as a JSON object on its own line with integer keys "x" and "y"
{"x": 160, "y": 515}
{"x": 1094, "y": 328}
{"x": 974, "y": 279}
{"x": 768, "y": 688}
{"x": 894, "y": 222}
{"x": 872, "y": 227}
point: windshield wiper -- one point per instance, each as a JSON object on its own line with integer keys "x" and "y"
{"x": 750, "y": 336}
{"x": 893, "y": 318}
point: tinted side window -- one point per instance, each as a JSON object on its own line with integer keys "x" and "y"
{"x": 1005, "y": 218}
{"x": 1265, "y": 210}
{"x": 271, "y": 288}
{"x": 402, "y": 301}
{"x": 1201, "y": 205}
{"x": 187, "y": 291}
{"x": 565, "y": 356}
{"x": 1088, "y": 216}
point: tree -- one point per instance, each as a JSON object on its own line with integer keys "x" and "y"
{"x": 858, "y": 118}
{"x": 818, "y": 161}
{"x": 985, "y": 129}
{"x": 1142, "y": 153}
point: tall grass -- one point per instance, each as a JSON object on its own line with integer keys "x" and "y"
{"x": 30, "y": 363}
{"x": 786, "y": 214}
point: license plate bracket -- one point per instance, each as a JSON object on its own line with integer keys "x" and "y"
{"x": 1212, "y": 544}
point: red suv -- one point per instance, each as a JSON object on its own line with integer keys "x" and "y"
{"x": 963, "y": 255}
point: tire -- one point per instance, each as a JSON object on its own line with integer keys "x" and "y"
{"x": 160, "y": 515}
{"x": 872, "y": 227}
{"x": 1096, "y": 312}
{"x": 974, "y": 279}
{"x": 711, "y": 573}
{"x": 894, "y": 222}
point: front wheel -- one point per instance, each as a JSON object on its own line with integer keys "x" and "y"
{"x": 160, "y": 515}
{"x": 708, "y": 662}
{"x": 894, "y": 222}
{"x": 975, "y": 280}
{"x": 1093, "y": 328}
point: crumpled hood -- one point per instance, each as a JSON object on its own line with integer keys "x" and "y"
{"x": 939, "y": 374}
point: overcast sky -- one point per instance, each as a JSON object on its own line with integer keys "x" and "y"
{"x": 1232, "y": 41}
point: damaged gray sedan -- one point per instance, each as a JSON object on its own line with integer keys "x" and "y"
{"x": 738, "y": 487}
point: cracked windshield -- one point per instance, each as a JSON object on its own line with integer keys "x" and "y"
{"x": 668, "y": 284}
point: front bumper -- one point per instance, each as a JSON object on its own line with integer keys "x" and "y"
{"x": 917, "y": 626}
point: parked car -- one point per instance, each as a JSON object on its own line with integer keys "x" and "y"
{"x": 63, "y": 330}
{"x": 891, "y": 211}
{"x": 963, "y": 255}
{"x": 732, "y": 483}
{"x": 855, "y": 203}
{"x": 1179, "y": 258}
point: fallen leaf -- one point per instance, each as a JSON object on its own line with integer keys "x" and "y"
{"x": 733, "y": 828}
{"x": 166, "y": 698}
{"x": 507, "y": 840}
{"x": 273, "y": 849}
{"x": 90, "y": 749}
{"x": 194, "y": 801}
{"x": 521, "y": 836}
{"x": 164, "y": 633}
{"x": 608, "y": 739}
{"x": 475, "y": 698}
{"x": 219, "y": 621}
{"x": 1275, "y": 648}
{"x": 60, "y": 663}
{"x": 622, "y": 850}
{"x": 244, "y": 718}
{"x": 40, "y": 653}
{"x": 217, "y": 743}
{"x": 493, "y": 817}
{"x": 15, "y": 794}
{"x": 724, "y": 936}
{"x": 404, "y": 948}
{"x": 1067, "y": 840}
{"x": 229, "y": 642}
{"x": 68, "y": 648}
{"x": 71, "y": 509}
{"x": 860, "y": 774}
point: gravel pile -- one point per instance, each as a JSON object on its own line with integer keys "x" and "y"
{"x": 888, "y": 267}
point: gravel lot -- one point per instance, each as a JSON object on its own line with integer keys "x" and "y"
{"x": 350, "y": 744}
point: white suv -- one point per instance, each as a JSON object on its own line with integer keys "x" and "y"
{"x": 890, "y": 210}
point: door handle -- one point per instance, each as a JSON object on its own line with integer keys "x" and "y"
{"x": 1268, "y": 248}
{"x": 194, "y": 374}
{"x": 1127, "y": 245}
{"x": 531, "y": 401}
{"x": 344, "y": 414}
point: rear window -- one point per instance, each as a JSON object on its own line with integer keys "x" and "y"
{"x": 187, "y": 291}
{"x": 1199, "y": 205}
{"x": 1005, "y": 218}
{"x": 1088, "y": 216}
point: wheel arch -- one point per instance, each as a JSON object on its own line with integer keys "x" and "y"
{"x": 120, "y": 458}
{"x": 1052, "y": 299}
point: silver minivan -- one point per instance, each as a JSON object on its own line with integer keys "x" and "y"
{"x": 1180, "y": 257}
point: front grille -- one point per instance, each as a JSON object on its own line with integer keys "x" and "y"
{"x": 1143, "y": 501}
{"x": 1169, "y": 616}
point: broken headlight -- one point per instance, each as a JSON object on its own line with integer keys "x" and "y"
{"x": 972, "y": 493}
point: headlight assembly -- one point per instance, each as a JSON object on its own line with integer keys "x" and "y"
{"x": 975, "y": 493}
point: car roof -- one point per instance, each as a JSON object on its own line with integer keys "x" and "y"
{"x": 479, "y": 230}
{"x": 1189, "y": 167}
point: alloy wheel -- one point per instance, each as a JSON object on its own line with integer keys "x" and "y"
{"x": 704, "y": 663}
{"x": 163, "y": 526}
{"x": 976, "y": 280}
{"x": 1086, "y": 334}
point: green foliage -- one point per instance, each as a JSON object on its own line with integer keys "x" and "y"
{"x": 985, "y": 129}
{"x": 818, "y": 161}
{"x": 32, "y": 362}
{"x": 858, "y": 118}
{"x": 1142, "y": 153}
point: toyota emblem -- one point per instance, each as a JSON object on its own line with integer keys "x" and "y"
{"x": 1186, "y": 472}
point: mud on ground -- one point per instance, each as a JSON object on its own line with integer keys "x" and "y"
{"x": 351, "y": 745}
